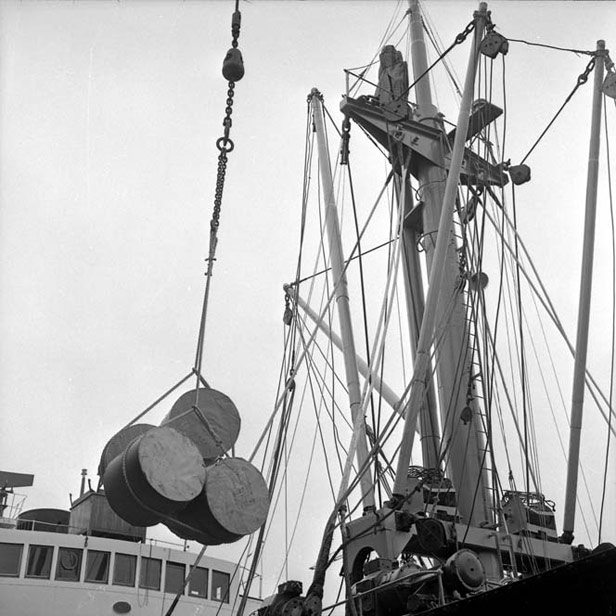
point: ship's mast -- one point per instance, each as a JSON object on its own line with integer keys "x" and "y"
{"x": 445, "y": 314}
{"x": 581, "y": 346}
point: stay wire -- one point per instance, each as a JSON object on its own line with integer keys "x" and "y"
{"x": 577, "y": 52}
{"x": 457, "y": 41}
{"x": 523, "y": 380}
{"x": 362, "y": 286}
{"x": 386, "y": 36}
{"x": 432, "y": 36}
{"x": 582, "y": 79}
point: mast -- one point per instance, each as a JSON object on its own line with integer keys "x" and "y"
{"x": 581, "y": 345}
{"x": 445, "y": 309}
{"x": 342, "y": 295}
{"x": 428, "y": 420}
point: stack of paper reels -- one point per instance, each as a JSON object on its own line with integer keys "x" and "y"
{"x": 209, "y": 418}
{"x": 159, "y": 473}
{"x": 234, "y": 502}
{"x": 174, "y": 474}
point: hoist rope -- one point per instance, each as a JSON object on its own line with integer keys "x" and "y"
{"x": 362, "y": 284}
{"x": 555, "y": 421}
{"x": 277, "y": 458}
{"x": 545, "y": 300}
{"x": 534, "y": 297}
{"x": 522, "y": 354}
{"x": 225, "y": 146}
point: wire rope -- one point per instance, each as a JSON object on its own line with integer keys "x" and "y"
{"x": 582, "y": 79}
{"x": 578, "y": 52}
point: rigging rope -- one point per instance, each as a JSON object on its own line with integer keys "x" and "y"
{"x": 582, "y": 79}
{"x": 575, "y": 51}
{"x": 432, "y": 35}
{"x": 457, "y": 41}
{"x": 187, "y": 579}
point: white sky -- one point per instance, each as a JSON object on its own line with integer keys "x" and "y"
{"x": 108, "y": 116}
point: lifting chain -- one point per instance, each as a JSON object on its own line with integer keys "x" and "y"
{"x": 232, "y": 70}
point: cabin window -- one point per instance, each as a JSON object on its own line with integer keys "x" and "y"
{"x": 150, "y": 573}
{"x": 97, "y": 566}
{"x": 197, "y": 587}
{"x": 69, "y": 564}
{"x": 10, "y": 559}
{"x": 124, "y": 570}
{"x": 220, "y": 586}
{"x": 174, "y": 577}
{"x": 39, "y": 561}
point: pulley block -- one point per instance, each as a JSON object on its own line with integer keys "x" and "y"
{"x": 519, "y": 174}
{"x": 493, "y": 44}
{"x": 233, "y": 65}
{"x": 287, "y": 317}
{"x": 609, "y": 85}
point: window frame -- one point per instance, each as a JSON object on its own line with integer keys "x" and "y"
{"x": 195, "y": 593}
{"x": 226, "y": 598}
{"x": 60, "y": 566}
{"x": 173, "y": 564}
{"x": 19, "y": 558}
{"x": 145, "y": 560}
{"x": 87, "y": 567}
{"x": 129, "y": 558}
{"x": 49, "y": 549}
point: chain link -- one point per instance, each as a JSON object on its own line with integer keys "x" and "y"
{"x": 225, "y": 144}
{"x": 583, "y": 78}
{"x": 462, "y": 36}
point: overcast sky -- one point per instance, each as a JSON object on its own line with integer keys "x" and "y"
{"x": 108, "y": 116}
